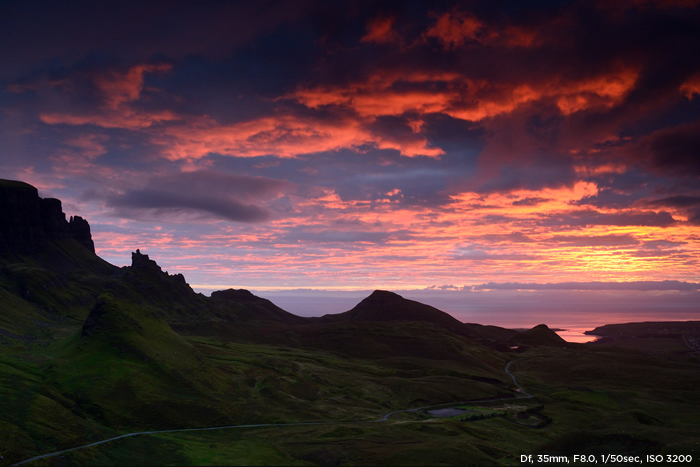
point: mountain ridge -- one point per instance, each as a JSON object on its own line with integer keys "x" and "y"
{"x": 382, "y": 305}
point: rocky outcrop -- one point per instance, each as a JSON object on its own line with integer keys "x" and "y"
{"x": 28, "y": 222}
{"x": 142, "y": 263}
{"x": 79, "y": 229}
{"x": 21, "y": 229}
{"x": 53, "y": 219}
{"x": 162, "y": 287}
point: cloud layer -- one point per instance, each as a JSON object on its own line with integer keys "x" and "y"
{"x": 367, "y": 144}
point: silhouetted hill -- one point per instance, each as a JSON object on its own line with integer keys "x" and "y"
{"x": 489, "y": 332}
{"x": 388, "y": 306}
{"x": 255, "y": 308}
{"x": 539, "y": 335}
{"x": 382, "y": 305}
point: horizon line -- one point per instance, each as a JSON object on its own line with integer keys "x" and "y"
{"x": 638, "y": 286}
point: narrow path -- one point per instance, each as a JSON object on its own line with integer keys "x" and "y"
{"x": 520, "y": 388}
{"x": 261, "y": 425}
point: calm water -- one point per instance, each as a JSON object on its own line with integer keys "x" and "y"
{"x": 575, "y": 335}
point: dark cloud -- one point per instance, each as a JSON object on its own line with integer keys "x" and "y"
{"x": 529, "y": 201}
{"x": 676, "y": 150}
{"x": 587, "y": 218}
{"x": 135, "y": 31}
{"x": 166, "y": 203}
{"x": 688, "y": 204}
{"x": 534, "y": 176}
{"x": 221, "y": 195}
{"x": 676, "y": 201}
{"x": 608, "y": 198}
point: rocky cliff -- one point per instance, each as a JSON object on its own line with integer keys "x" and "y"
{"x": 28, "y": 222}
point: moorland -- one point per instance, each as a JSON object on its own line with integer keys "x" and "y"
{"x": 90, "y": 351}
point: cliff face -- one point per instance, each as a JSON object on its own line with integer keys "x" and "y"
{"x": 79, "y": 229}
{"x": 27, "y": 221}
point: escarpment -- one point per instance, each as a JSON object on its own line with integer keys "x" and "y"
{"x": 28, "y": 222}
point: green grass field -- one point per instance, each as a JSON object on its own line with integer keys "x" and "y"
{"x": 594, "y": 401}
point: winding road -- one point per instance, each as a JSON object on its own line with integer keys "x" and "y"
{"x": 261, "y": 425}
{"x": 520, "y": 388}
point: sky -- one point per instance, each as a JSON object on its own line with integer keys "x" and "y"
{"x": 456, "y": 146}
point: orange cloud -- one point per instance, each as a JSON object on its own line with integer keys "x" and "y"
{"x": 377, "y": 95}
{"x": 606, "y": 91}
{"x": 118, "y": 91}
{"x": 468, "y": 99}
{"x": 504, "y": 100}
{"x": 370, "y": 243}
{"x": 194, "y": 138}
{"x": 383, "y": 94}
{"x": 457, "y": 28}
{"x": 463, "y": 243}
{"x": 606, "y": 168}
{"x": 691, "y": 88}
{"x": 282, "y": 136}
{"x": 120, "y": 88}
{"x": 380, "y": 31}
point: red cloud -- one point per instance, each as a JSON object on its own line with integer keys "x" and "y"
{"x": 282, "y": 136}
{"x": 456, "y": 28}
{"x": 122, "y": 88}
{"x": 380, "y": 31}
{"x": 691, "y": 87}
{"x": 467, "y": 99}
{"x": 118, "y": 90}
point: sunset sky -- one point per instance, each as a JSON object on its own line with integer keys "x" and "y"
{"x": 361, "y": 145}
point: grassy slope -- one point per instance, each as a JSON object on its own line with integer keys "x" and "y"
{"x": 600, "y": 401}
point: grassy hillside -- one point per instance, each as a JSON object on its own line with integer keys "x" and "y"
{"x": 589, "y": 400}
